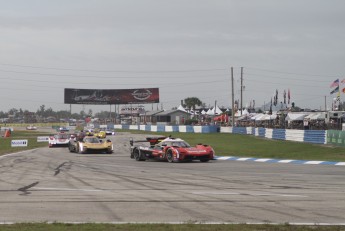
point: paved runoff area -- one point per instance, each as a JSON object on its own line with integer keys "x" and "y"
{"x": 54, "y": 185}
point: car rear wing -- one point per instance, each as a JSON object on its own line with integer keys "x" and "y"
{"x": 151, "y": 140}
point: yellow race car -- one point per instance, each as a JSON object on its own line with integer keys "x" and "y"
{"x": 91, "y": 144}
{"x": 101, "y": 134}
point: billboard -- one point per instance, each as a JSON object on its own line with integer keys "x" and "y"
{"x": 111, "y": 96}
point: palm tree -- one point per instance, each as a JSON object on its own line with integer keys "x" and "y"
{"x": 192, "y": 102}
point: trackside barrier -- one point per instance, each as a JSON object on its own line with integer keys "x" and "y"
{"x": 279, "y": 134}
{"x": 166, "y": 128}
{"x": 315, "y": 136}
{"x": 269, "y": 134}
{"x": 295, "y": 135}
{"x": 309, "y": 136}
{"x": 336, "y": 137}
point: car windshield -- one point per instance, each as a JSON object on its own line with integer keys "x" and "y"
{"x": 91, "y": 140}
{"x": 62, "y": 136}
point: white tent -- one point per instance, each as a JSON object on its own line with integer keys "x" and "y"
{"x": 257, "y": 117}
{"x": 241, "y": 113}
{"x": 214, "y": 111}
{"x": 264, "y": 117}
{"x": 203, "y": 112}
{"x": 181, "y": 108}
{"x": 218, "y": 111}
{"x": 316, "y": 116}
{"x": 295, "y": 116}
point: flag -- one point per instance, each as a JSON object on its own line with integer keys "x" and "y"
{"x": 338, "y": 96}
{"x": 343, "y": 90}
{"x": 335, "y": 90}
{"x": 288, "y": 96}
{"x": 343, "y": 81}
{"x": 335, "y": 83}
{"x": 284, "y": 97}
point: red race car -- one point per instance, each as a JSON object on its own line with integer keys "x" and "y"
{"x": 170, "y": 149}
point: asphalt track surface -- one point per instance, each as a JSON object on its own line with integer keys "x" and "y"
{"x": 54, "y": 185}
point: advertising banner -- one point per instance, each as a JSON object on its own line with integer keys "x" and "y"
{"x": 42, "y": 138}
{"x": 111, "y": 96}
{"x": 19, "y": 143}
{"x": 336, "y": 137}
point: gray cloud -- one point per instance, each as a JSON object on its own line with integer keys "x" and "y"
{"x": 282, "y": 44}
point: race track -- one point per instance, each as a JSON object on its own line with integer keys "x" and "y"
{"x": 54, "y": 185}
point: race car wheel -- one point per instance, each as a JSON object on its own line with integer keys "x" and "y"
{"x": 109, "y": 151}
{"x": 170, "y": 156}
{"x": 137, "y": 155}
{"x": 77, "y": 149}
{"x": 70, "y": 147}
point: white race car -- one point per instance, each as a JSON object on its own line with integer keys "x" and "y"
{"x": 31, "y": 127}
{"x": 60, "y": 139}
{"x": 109, "y": 132}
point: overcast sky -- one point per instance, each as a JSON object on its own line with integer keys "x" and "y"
{"x": 184, "y": 47}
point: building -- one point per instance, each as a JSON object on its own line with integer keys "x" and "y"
{"x": 149, "y": 117}
{"x": 130, "y": 114}
{"x": 172, "y": 117}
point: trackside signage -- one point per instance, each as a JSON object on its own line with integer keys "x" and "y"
{"x": 111, "y": 96}
{"x": 42, "y": 138}
{"x": 19, "y": 143}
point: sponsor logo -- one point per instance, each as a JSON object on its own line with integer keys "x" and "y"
{"x": 42, "y": 138}
{"x": 142, "y": 94}
{"x": 194, "y": 150}
{"x": 19, "y": 143}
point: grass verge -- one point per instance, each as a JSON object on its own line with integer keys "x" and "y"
{"x": 224, "y": 144}
{"x": 164, "y": 227}
{"x": 227, "y": 144}
{"x": 31, "y": 136}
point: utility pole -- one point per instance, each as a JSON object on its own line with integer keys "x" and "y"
{"x": 110, "y": 112}
{"x": 325, "y": 104}
{"x": 232, "y": 98}
{"x": 241, "y": 89}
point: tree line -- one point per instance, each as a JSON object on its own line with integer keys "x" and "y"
{"x": 44, "y": 114}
